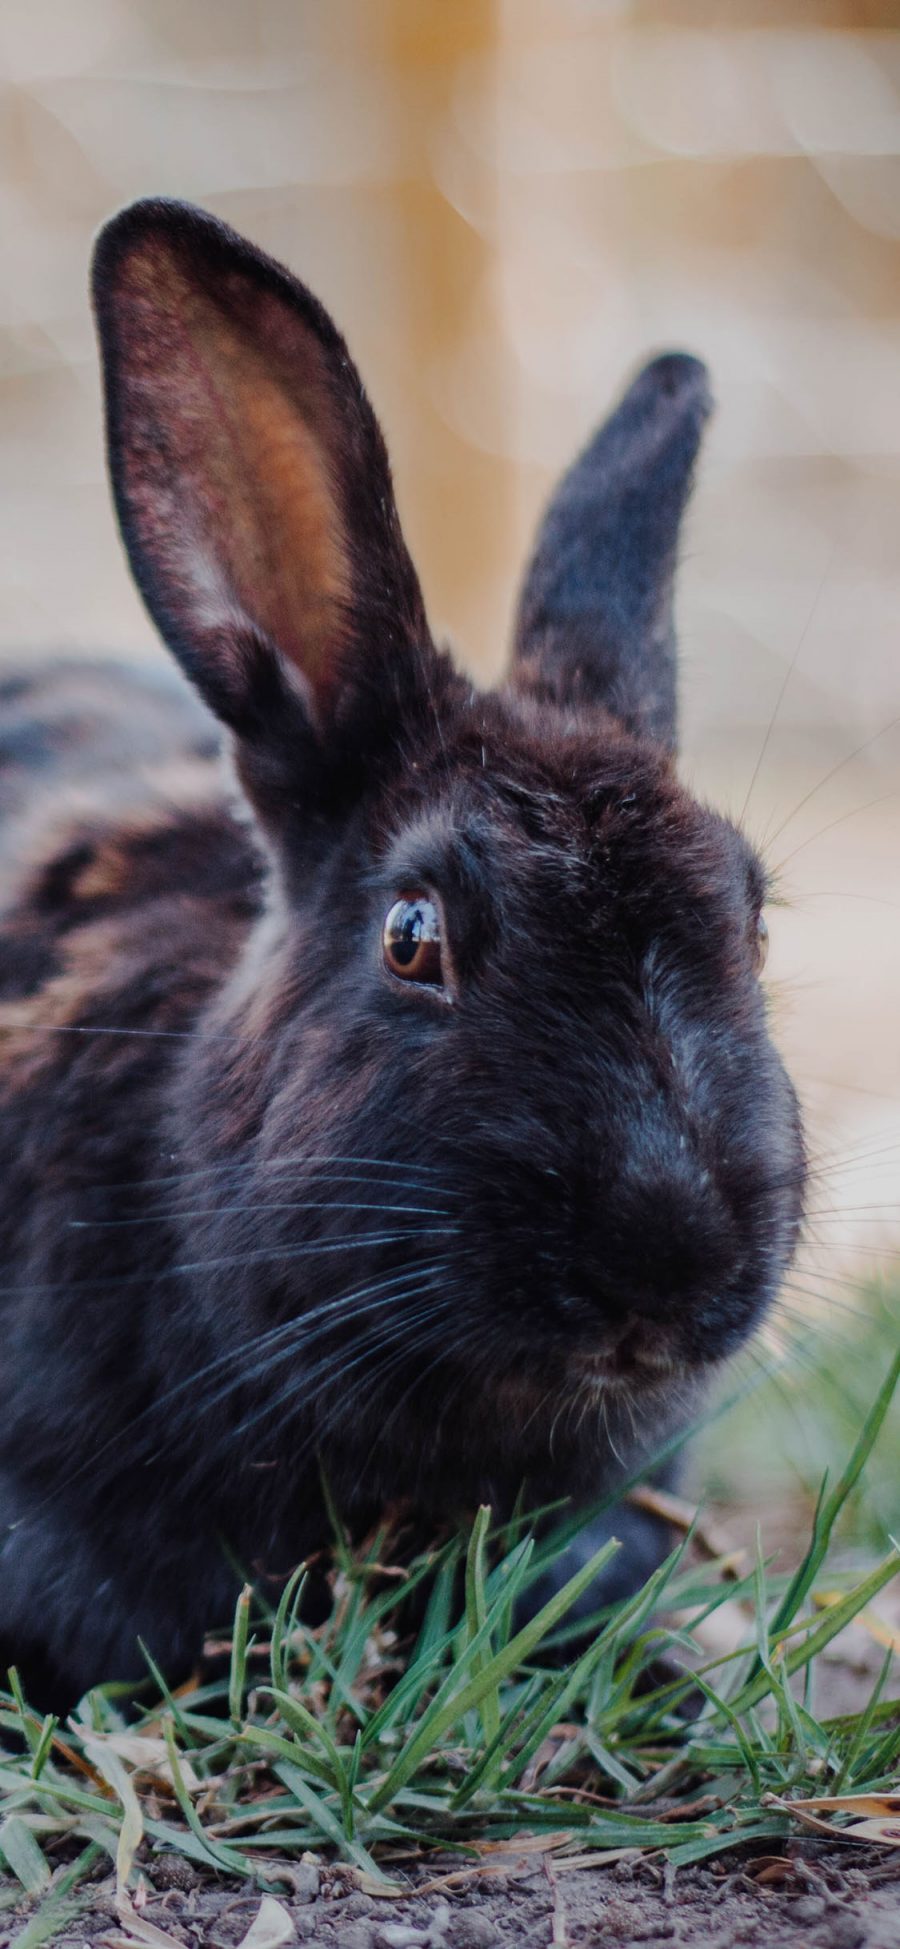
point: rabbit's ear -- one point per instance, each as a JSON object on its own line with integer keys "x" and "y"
{"x": 251, "y": 481}
{"x": 595, "y": 619}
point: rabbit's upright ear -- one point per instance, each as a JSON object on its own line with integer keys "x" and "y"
{"x": 252, "y": 484}
{"x": 595, "y": 619}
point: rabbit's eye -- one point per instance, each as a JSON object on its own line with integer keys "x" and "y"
{"x": 760, "y": 943}
{"x": 412, "y": 940}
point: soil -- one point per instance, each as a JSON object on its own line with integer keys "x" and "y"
{"x": 813, "y": 1896}
{"x": 806, "y": 1894}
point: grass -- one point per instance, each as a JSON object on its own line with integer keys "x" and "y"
{"x": 782, "y": 1437}
{"x": 377, "y": 1742}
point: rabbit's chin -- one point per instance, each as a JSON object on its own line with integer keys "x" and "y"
{"x": 600, "y": 1391}
{"x": 634, "y": 1387}
{"x": 628, "y": 1373}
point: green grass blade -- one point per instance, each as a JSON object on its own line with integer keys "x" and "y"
{"x": 283, "y": 1625}
{"x": 23, "y": 1855}
{"x": 835, "y": 1618}
{"x": 237, "y": 1678}
{"x": 476, "y": 1619}
{"x": 217, "y": 1853}
{"x": 498, "y": 1668}
{"x": 831, "y": 1506}
{"x": 326, "y": 1821}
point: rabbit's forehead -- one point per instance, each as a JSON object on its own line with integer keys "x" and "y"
{"x": 608, "y": 839}
{"x": 521, "y": 812}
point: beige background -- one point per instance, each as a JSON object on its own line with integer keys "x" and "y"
{"x": 506, "y": 205}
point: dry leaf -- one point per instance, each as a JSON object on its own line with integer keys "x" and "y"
{"x": 883, "y": 1809}
{"x": 771, "y": 1870}
{"x": 147, "y": 1754}
{"x": 851, "y": 1803}
{"x": 523, "y": 1844}
{"x": 601, "y": 1857}
{"x": 505, "y": 1858}
{"x": 392, "y": 1891}
{"x": 886, "y": 1831}
{"x": 138, "y": 1928}
{"x": 271, "y": 1926}
{"x": 131, "y": 1832}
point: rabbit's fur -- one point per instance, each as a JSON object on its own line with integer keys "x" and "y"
{"x": 267, "y": 1209}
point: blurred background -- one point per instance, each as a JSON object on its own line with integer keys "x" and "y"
{"x": 507, "y": 204}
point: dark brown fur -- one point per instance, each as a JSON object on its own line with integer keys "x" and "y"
{"x": 263, "y": 1206}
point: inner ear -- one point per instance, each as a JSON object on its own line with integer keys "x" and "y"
{"x": 267, "y": 521}
{"x": 250, "y": 475}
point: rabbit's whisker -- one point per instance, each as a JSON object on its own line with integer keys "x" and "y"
{"x": 841, "y": 765}
{"x": 855, "y": 812}
{"x": 858, "y": 1089}
{"x": 282, "y": 1254}
{"x": 810, "y": 1270}
{"x": 298, "y": 1336}
{"x": 256, "y": 1208}
{"x": 470, "y": 1339}
{"x": 364, "y": 1299}
{"x": 295, "y": 1337}
{"x": 836, "y": 1213}
{"x": 865, "y": 1162}
{"x": 425, "y": 1315}
{"x": 889, "y": 1252}
{"x": 14, "y": 1027}
{"x": 808, "y": 1287}
{"x": 813, "y": 610}
{"x": 261, "y": 1255}
{"x": 283, "y": 1160}
{"x": 844, "y": 893}
{"x": 461, "y": 1343}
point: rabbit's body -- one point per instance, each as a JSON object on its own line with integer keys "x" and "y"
{"x": 447, "y": 1208}
{"x": 126, "y": 887}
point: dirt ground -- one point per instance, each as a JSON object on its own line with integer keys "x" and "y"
{"x": 806, "y": 1893}
{"x": 811, "y": 1896}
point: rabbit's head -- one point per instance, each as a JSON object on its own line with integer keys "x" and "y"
{"x": 490, "y": 1102}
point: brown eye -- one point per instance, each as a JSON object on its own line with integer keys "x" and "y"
{"x": 412, "y": 940}
{"x": 760, "y": 943}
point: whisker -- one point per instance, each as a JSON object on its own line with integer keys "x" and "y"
{"x": 833, "y": 1215}
{"x": 142, "y": 1035}
{"x": 378, "y": 1292}
{"x": 872, "y": 899}
{"x": 257, "y": 1208}
{"x": 295, "y": 1344}
{"x": 808, "y": 1286}
{"x": 866, "y": 1250}
{"x": 855, "y": 812}
{"x": 261, "y": 1255}
{"x": 859, "y": 1089}
{"x": 853, "y": 1285}
{"x": 850, "y": 1164}
{"x": 833, "y": 773}
{"x": 772, "y": 1374}
{"x": 424, "y": 1314}
{"x": 283, "y": 1161}
{"x": 808, "y": 1315}
{"x": 294, "y": 1336}
{"x": 461, "y": 1342}
{"x": 787, "y": 678}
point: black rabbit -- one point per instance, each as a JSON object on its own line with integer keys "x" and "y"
{"x": 404, "y": 1106}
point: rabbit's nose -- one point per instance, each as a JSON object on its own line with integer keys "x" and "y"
{"x": 672, "y": 1243}
{"x": 626, "y": 1350}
